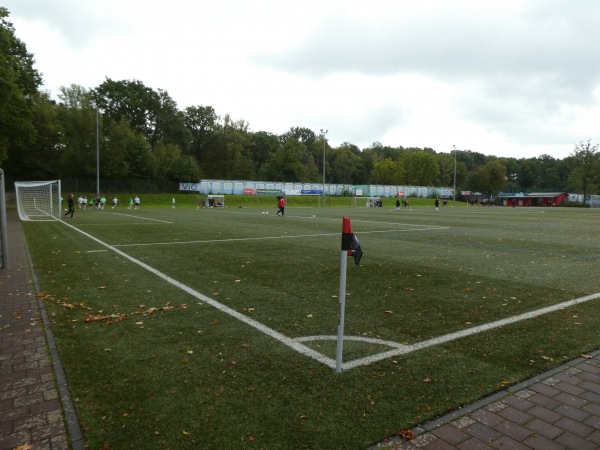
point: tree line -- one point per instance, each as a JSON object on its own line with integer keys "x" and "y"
{"x": 141, "y": 133}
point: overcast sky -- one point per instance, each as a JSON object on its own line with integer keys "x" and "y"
{"x": 508, "y": 78}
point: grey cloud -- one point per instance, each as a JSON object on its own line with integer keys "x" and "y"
{"x": 77, "y": 21}
{"x": 551, "y": 46}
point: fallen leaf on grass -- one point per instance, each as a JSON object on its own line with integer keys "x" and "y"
{"x": 428, "y": 380}
{"x": 406, "y": 434}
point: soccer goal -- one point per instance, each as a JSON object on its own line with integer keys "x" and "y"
{"x": 594, "y": 201}
{"x": 38, "y": 200}
{"x": 369, "y": 202}
{"x": 216, "y": 201}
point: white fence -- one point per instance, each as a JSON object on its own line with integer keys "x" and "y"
{"x": 256, "y": 187}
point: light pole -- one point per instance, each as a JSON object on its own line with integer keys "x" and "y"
{"x": 323, "y": 133}
{"x": 97, "y": 152}
{"x": 454, "y": 191}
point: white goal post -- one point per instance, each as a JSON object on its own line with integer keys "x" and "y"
{"x": 216, "y": 201}
{"x": 368, "y": 202}
{"x": 38, "y": 200}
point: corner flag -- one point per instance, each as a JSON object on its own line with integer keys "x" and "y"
{"x": 350, "y": 241}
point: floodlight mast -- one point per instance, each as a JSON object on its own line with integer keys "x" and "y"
{"x": 454, "y": 191}
{"x": 97, "y": 152}
{"x": 323, "y": 133}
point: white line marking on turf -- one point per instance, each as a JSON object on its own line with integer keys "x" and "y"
{"x": 208, "y": 241}
{"x": 297, "y": 343}
{"x": 143, "y": 218}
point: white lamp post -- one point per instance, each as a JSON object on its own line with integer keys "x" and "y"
{"x": 454, "y": 192}
{"x": 97, "y": 152}
{"x": 323, "y": 133}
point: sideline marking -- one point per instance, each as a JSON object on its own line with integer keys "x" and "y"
{"x": 297, "y": 343}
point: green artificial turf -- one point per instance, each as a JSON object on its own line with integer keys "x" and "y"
{"x": 153, "y": 366}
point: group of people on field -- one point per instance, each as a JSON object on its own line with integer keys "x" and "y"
{"x": 403, "y": 203}
{"x": 99, "y": 202}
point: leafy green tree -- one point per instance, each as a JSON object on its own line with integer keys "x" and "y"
{"x": 229, "y": 155}
{"x": 114, "y": 161}
{"x": 526, "y": 174}
{"x": 151, "y": 113}
{"x": 346, "y": 164}
{"x": 165, "y": 160}
{"x": 420, "y": 168}
{"x": 140, "y": 159}
{"x": 187, "y": 170}
{"x": 471, "y": 159}
{"x": 492, "y": 177}
{"x": 548, "y": 173}
{"x": 77, "y": 116}
{"x": 202, "y": 121}
{"x": 47, "y": 152}
{"x": 585, "y": 167}
{"x": 388, "y": 172}
{"x": 262, "y": 146}
{"x": 304, "y": 135}
{"x": 286, "y": 163}
{"x": 445, "y": 162}
{"x": 171, "y": 124}
{"x": 19, "y": 83}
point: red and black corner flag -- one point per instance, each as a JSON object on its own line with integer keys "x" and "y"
{"x": 350, "y": 241}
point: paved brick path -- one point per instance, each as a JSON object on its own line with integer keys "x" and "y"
{"x": 31, "y": 410}
{"x": 556, "y": 410}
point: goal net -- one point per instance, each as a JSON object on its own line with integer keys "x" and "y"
{"x": 38, "y": 200}
{"x": 216, "y": 201}
{"x": 369, "y": 202}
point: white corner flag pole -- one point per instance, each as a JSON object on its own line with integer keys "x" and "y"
{"x": 347, "y": 238}
{"x": 342, "y": 298}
